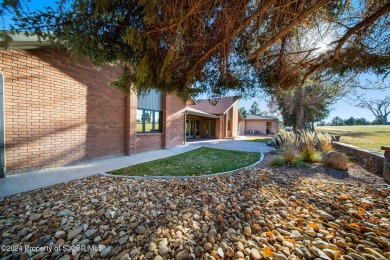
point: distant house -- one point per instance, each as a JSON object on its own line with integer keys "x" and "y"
{"x": 262, "y": 125}
{"x": 58, "y": 111}
{"x": 211, "y": 118}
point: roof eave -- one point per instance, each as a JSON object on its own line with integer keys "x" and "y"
{"x": 202, "y": 114}
{"x": 24, "y": 45}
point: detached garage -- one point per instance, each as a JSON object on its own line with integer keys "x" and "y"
{"x": 260, "y": 125}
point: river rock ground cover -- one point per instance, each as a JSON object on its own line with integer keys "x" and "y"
{"x": 283, "y": 213}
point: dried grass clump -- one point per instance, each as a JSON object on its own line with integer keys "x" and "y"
{"x": 304, "y": 146}
{"x": 324, "y": 142}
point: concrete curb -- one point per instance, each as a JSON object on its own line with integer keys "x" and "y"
{"x": 185, "y": 177}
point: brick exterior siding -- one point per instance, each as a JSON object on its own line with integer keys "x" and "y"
{"x": 173, "y": 126}
{"x": 58, "y": 111}
{"x": 174, "y": 129}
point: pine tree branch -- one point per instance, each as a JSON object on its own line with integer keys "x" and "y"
{"x": 352, "y": 31}
{"x": 288, "y": 28}
{"x": 233, "y": 33}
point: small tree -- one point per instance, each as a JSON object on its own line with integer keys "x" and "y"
{"x": 362, "y": 121}
{"x": 380, "y": 108}
{"x": 337, "y": 121}
{"x": 350, "y": 121}
{"x": 243, "y": 112}
{"x": 255, "y": 110}
{"x": 376, "y": 121}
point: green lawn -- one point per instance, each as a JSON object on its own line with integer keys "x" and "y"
{"x": 370, "y": 137}
{"x": 257, "y": 139}
{"x": 197, "y": 162}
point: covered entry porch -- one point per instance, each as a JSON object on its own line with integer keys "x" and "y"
{"x": 199, "y": 124}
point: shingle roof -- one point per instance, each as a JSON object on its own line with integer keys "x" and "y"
{"x": 218, "y": 108}
{"x": 193, "y": 111}
{"x": 257, "y": 117}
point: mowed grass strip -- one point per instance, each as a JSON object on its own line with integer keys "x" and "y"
{"x": 370, "y": 137}
{"x": 194, "y": 163}
{"x": 258, "y": 139}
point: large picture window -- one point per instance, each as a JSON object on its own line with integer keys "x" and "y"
{"x": 148, "y": 121}
{"x": 149, "y": 113}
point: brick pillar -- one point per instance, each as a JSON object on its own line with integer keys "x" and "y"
{"x": 132, "y": 123}
{"x": 166, "y": 121}
{"x": 386, "y": 165}
{"x": 219, "y": 127}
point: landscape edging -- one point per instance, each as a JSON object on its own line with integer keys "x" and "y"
{"x": 185, "y": 177}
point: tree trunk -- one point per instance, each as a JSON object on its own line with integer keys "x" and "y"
{"x": 384, "y": 120}
{"x": 300, "y": 117}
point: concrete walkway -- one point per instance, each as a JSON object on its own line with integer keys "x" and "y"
{"x": 236, "y": 145}
{"x": 17, "y": 183}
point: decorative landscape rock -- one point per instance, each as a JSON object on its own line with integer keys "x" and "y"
{"x": 254, "y": 214}
{"x": 335, "y": 160}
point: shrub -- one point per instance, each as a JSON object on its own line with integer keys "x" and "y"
{"x": 310, "y": 156}
{"x": 277, "y": 161}
{"x": 302, "y": 164}
{"x": 289, "y": 153}
{"x": 286, "y": 138}
{"x": 324, "y": 141}
{"x": 306, "y": 143}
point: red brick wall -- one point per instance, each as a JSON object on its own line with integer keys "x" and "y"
{"x": 149, "y": 141}
{"x": 174, "y": 109}
{"x": 132, "y": 126}
{"x": 58, "y": 111}
{"x": 173, "y": 126}
{"x": 219, "y": 128}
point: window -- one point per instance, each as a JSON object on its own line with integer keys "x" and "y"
{"x": 149, "y": 112}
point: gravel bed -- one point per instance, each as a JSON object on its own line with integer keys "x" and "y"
{"x": 354, "y": 174}
{"x": 258, "y": 213}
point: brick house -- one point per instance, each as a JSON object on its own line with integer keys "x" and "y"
{"x": 58, "y": 111}
{"x": 219, "y": 120}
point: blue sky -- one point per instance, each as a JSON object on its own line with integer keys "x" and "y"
{"x": 342, "y": 108}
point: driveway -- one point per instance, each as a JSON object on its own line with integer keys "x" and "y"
{"x": 236, "y": 145}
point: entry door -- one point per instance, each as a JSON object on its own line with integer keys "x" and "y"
{"x": 209, "y": 128}
{"x": 269, "y": 125}
{"x": 190, "y": 128}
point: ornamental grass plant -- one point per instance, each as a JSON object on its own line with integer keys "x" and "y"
{"x": 299, "y": 149}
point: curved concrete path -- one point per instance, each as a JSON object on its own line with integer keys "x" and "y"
{"x": 236, "y": 145}
{"x": 17, "y": 183}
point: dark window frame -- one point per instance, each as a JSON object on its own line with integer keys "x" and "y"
{"x": 153, "y": 120}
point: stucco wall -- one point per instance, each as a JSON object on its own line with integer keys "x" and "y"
{"x": 259, "y": 125}
{"x": 255, "y": 125}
